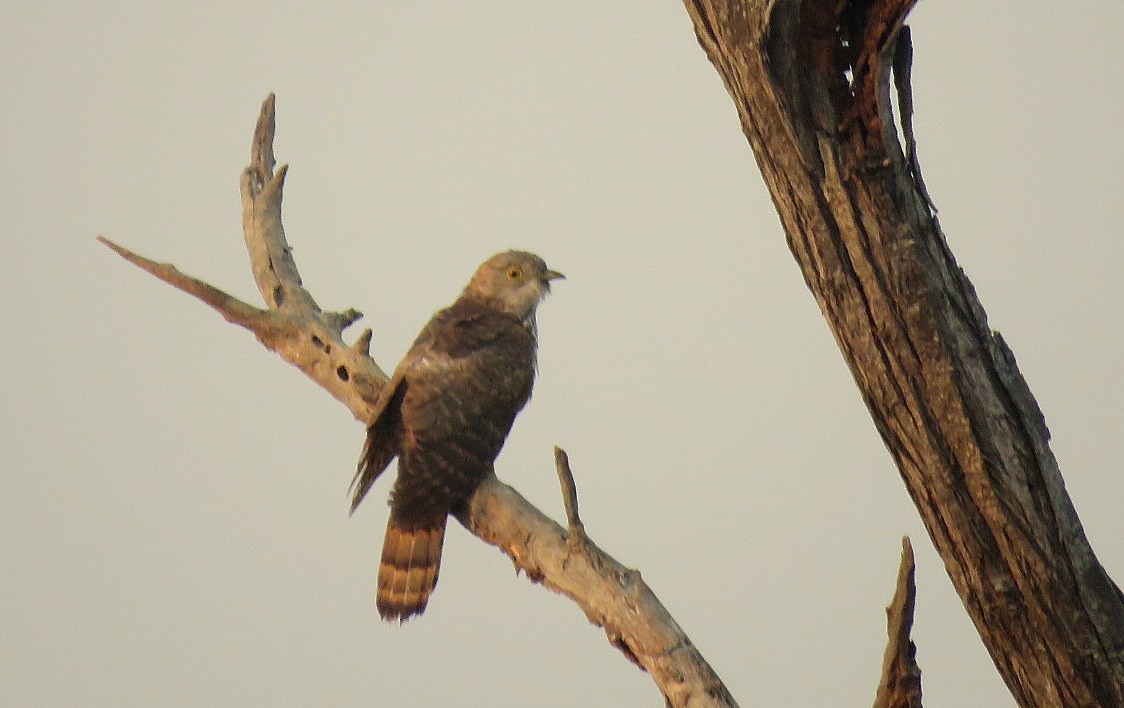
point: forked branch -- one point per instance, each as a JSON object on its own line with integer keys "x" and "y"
{"x": 611, "y": 595}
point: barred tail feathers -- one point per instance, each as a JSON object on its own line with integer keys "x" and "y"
{"x": 411, "y": 558}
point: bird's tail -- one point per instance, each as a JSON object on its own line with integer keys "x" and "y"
{"x": 411, "y": 558}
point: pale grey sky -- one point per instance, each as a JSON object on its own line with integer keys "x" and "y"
{"x": 173, "y": 513}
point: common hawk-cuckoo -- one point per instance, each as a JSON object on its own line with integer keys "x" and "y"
{"x": 445, "y": 414}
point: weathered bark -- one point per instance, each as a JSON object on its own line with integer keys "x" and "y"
{"x": 810, "y": 81}
{"x": 611, "y": 595}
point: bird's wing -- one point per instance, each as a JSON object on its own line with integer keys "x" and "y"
{"x": 441, "y": 373}
{"x": 382, "y": 437}
{"x": 385, "y": 428}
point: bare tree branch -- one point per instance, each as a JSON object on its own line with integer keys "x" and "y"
{"x": 612, "y": 595}
{"x": 810, "y": 81}
{"x": 230, "y": 307}
{"x": 294, "y": 326}
{"x": 900, "y": 686}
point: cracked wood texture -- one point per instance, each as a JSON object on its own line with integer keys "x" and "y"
{"x": 810, "y": 81}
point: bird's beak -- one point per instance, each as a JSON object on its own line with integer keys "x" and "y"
{"x": 550, "y": 275}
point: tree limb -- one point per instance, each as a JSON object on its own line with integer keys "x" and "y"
{"x": 230, "y": 307}
{"x": 612, "y": 596}
{"x": 810, "y": 80}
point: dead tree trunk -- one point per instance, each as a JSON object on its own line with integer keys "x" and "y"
{"x": 810, "y": 81}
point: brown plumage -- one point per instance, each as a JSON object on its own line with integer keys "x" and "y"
{"x": 445, "y": 414}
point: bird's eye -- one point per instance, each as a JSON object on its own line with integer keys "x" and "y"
{"x": 514, "y": 273}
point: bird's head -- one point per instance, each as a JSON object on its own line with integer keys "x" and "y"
{"x": 512, "y": 281}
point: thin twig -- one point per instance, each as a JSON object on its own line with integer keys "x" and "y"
{"x": 231, "y": 308}
{"x": 900, "y": 685}
{"x": 569, "y": 495}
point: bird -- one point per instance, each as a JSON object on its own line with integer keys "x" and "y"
{"x": 445, "y": 414}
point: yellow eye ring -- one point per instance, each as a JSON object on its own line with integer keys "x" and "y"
{"x": 514, "y": 273}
